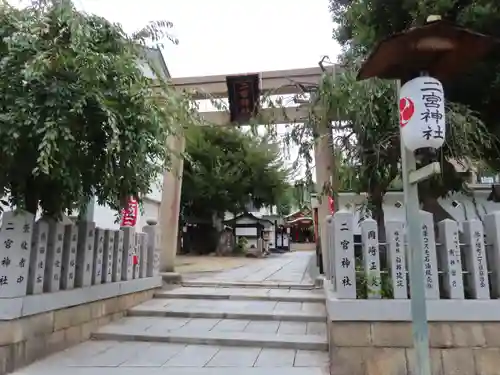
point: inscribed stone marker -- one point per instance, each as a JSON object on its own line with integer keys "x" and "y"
{"x": 85, "y": 254}
{"x": 128, "y": 252}
{"x": 135, "y": 257}
{"x": 55, "y": 245}
{"x": 450, "y": 259}
{"x": 328, "y": 255}
{"x": 143, "y": 254}
{"x": 397, "y": 258}
{"x": 475, "y": 256}
{"x": 98, "y": 256}
{"x": 152, "y": 263}
{"x": 430, "y": 257}
{"x": 15, "y": 253}
{"x": 371, "y": 257}
{"x": 69, "y": 256}
{"x": 492, "y": 230}
{"x": 109, "y": 246}
{"x": 345, "y": 271}
{"x": 118, "y": 254}
{"x": 38, "y": 257}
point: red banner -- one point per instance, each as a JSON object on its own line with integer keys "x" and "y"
{"x": 130, "y": 213}
{"x": 331, "y": 204}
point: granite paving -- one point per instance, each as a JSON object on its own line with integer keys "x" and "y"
{"x": 145, "y": 358}
{"x": 258, "y": 319}
{"x": 283, "y": 268}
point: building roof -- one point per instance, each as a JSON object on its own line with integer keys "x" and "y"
{"x": 261, "y": 221}
{"x": 154, "y": 56}
{"x": 304, "y": 211}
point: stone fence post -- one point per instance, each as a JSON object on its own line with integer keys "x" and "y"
{"x": 153, "y": 252}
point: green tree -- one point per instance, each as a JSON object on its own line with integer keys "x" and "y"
{"x": 78, "y": 117}
{"x": 370, "y": 138}
{"x": 367, "y": 144}
{"x": 360, "y": 24}
{"x": 285, "y": 201}
{"x": 367, "y": 137}
{"x": 226, "y": 169}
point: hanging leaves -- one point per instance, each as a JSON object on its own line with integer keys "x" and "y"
{"x": 79, "y": 118}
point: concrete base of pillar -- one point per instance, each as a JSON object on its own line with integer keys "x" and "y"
{"x": 171, "y": 277}
{"x": 319, "y": 281}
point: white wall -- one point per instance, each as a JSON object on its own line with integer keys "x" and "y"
{"x": 465, "y": 210}
{"x": 246, "y": 232}
{"x": 104, "y": 217}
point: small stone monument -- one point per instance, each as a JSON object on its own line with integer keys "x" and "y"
{"x": 15, "y": 251}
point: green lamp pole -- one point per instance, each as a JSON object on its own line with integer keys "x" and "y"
{"x": 441, "y": 50}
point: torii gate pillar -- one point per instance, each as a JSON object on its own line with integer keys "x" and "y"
{"x": 170, "y": 207}
{"x": 323, "y": 158}
{"x": 277, "y": 82}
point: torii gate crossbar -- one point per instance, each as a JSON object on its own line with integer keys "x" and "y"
{"x": 281, "y": 82}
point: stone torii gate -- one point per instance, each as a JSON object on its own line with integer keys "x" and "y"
{"x": 281, "y": 82}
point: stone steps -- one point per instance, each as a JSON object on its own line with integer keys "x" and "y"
{"x": 243, "y": 308}
{"x": 240, "y": 339}
{"x": 244, "y": 284}
{"x": 255, "y": 294}
{"x": 153, "y": 358}
{"x": 221, "y": 316}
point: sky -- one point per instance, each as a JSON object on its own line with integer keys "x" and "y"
{"x": 231, "y": 36}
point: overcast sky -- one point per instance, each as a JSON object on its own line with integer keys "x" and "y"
{"x": 230, "y": 36}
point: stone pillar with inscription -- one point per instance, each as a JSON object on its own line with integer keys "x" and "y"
{"x": 54, "y": 256}
{"x": 492, "y": 231}
{"x": 85, "y": 254}
{"x": 396, "y": 257}
{"x": 371, "y": 257}
{"x": 135, "y": 257}
{"x": 109, "y": 246}
{"x": 118, "y": 254}
{"x": 38, "y": 257}
{"x": 430, "y": 258}
{"x": 128, "y": 253}
{"x": 98, "y": 256}
{"x": 70, "y": 246}
{"x": 143, "y": 254}
{"x": 450, "y": 259}
{"x": 153, "y": 257}
{"x": 475, "y": 258}
{"x": 329, "y": 253}
{"x": 345, "y": 269}
{"x": 15, "y": 253}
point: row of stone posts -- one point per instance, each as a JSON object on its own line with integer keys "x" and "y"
{"x": 465, "y": 257}
{"x": 46, "y": 256}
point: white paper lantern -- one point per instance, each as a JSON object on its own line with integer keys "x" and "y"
{"x": 421, "y": 113}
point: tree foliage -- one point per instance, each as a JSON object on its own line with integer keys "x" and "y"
{"x": 78, "y": 117}
{"x": 363, "y": 115}
{"x": 369, "y": 137}
{"x": 360, "y": 24}
{"x": 226, "y": 169}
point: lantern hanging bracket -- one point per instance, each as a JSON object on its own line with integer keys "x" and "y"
{"x": 424, "y": 173}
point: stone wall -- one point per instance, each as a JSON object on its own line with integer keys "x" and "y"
{"x": 24, "y": 340}
{"x": 385, "y": 348}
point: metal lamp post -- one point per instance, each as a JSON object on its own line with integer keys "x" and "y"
{"x": 441, "y": 50}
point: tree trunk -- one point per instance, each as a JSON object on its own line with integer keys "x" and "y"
{"x": 31, "y": 196}
{"x": 377, "y": 208}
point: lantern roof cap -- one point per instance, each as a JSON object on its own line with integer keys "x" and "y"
{"x": 439, "y": 48}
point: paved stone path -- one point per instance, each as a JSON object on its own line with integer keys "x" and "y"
{"x": 258, "y": 319}
{"x": 291, "y": 268}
